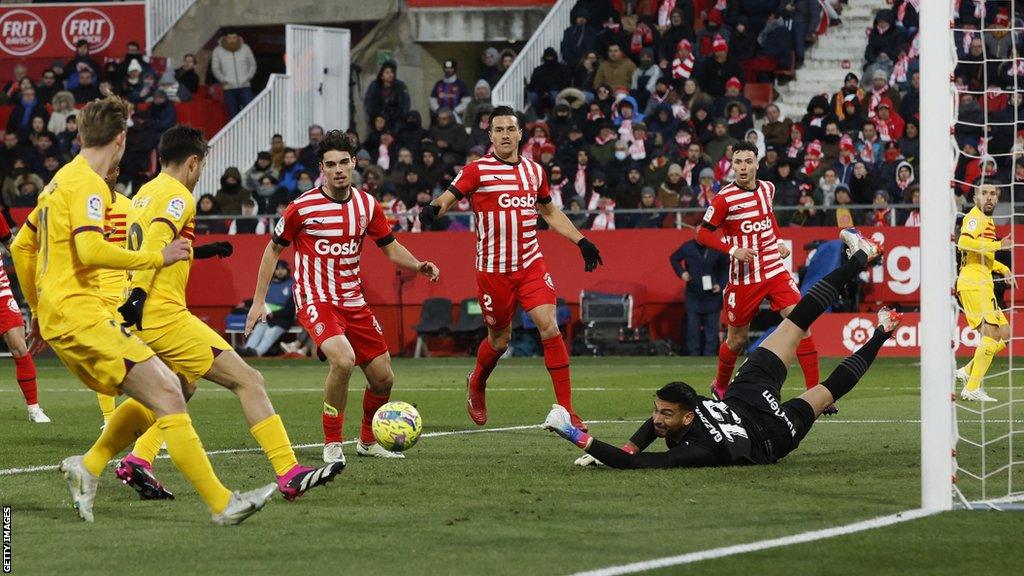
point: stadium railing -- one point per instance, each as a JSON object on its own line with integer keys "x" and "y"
{"x": 161, "y": 15}
{"x": 511, "y": 89}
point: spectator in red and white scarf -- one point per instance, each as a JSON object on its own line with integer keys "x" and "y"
{"x": 880, "y": 89}
{"x": 888, "y": 122}
{"x": 812, "y": 159}
{"x": 882, "y": 213}
{"x": 682, "y": 65}
{"x": 540, "y": 135}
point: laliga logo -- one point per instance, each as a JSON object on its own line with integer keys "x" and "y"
{"x": 509, "y": 201}
{"x": 90, "y": 25}
{"x": 760, "y": 226}
{"x": 857, "y": 332}
{"x": 325, "y": 247}
{"x": 21, "y": 33}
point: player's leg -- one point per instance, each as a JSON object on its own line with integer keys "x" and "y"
{"x": 265, "y": 425}
{"x": 784, "y": 340}
{"x": 497, "y": 301}
{"x": 853, "y": 367}
{"x": 341, "y": 359}
{"x": 107, "y": 404}
{"x": 736, "y": 340}
{"x": 136, "y": 469}
{"x": 784, "y": 297}
{"x": 379, "y": 380}
{"x": 25, "y": 372}
{"x": 535, "y": 292}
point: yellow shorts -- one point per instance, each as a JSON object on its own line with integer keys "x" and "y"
{"x": 101, "y": 355}
{"x": 188, "y": 346}
{"x": 981, "y": 306}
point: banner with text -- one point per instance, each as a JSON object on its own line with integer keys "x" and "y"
{"x": 34, "y": 31}
{"x": 839, "y": 334}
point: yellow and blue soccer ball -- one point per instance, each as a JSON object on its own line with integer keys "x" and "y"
{"x": 397, "y": 426}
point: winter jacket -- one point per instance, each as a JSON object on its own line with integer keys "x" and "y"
{"x": 233, "y": 65}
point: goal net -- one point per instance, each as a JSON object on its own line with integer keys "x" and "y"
{"x": 972, "y": 106}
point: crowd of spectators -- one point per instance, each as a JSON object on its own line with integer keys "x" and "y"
{"x": 636, "y": 108}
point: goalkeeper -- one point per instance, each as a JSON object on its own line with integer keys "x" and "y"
{"x": 750, "y": 425}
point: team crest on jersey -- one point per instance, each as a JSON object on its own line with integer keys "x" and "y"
{"x": 549, "y": 281}
{"x": 94, "y": 207}
{"x": 279, "y": 228}
{"x": 141, "y": 202}
{"x": 13, "y": 306}
{"x": 319, "y": 328}
{"x": 176, "y": 208}
{"x": 732, "y": 317}
{"x": 362, "y": 223}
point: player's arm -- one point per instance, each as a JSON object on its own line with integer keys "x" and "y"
{"x": 969, "y": 242}
{"x": 640, "y": 440}
{"x": 258, "y": 310}
{"x": 25, "y": 252}
{"x": 465, "y": 182}
{"x": 706, "y": 233}
{"x": 678, "y": 263}
{"x": 87, "y": 214}
{"x": 401, "y": 257}
{"x": 560, "y": 223}
{"x": 682, "y": 456}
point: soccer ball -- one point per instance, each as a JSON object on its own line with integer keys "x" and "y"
{"x": 397, "y": 426}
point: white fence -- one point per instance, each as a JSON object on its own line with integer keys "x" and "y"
{"x": 511, "y": 89}
{"x": 161, "y": 16}
{"x": 247, "y": 133}
{"x": 315, "y": 90}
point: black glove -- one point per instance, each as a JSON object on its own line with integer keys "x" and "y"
{"x": 219, "y": 249}
{"x": 131, "y": 310}
{"x": 428, "y": 215}
{"x": 591, "y": 255}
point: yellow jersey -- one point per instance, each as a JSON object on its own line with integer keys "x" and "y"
{"x": 978, "y": 245}
{"x": 162, "y": 211}
{"x": 115, "y": 230}
{"x": 60, "y": 251}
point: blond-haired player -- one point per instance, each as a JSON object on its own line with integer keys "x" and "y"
{"x": 58, "y": 255}
{"x": 974, "y": 286}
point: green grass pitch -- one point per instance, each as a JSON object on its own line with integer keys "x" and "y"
{"x": 505, "y": 502}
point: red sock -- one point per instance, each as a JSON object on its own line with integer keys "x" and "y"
{"x": 807, "y": 354}
{"x": 726, "y": 362}
{"x": 25, "y": 371}
{"x": 556, "y": 358}
{"x": 486, "y": 359}
{"x": 332, "y": 426}
{"x": 371, "y": 402}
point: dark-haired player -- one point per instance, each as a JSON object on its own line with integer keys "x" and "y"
{"x": 507, "y": 193}
{"x": 164, "y": 210}
{"x": 327, "y": 225}
{"x": 757, "y": 269}
{"x": 751, "y": 425}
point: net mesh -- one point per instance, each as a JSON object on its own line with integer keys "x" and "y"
{"x": 988, "y": 139}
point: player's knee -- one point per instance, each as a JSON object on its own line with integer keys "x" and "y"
{"x": 737, "y": 342}
{"x": 1004, "y": 333}
{"x": 18, "y": 349}
{"x": 381, "y": 384}
{"x": 340, "y": 360}
{"x": 171, "y": 395}
{"x": 188, "y": 390}
{"x": 499, "y": 341}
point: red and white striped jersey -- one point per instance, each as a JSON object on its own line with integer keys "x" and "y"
{"x": 747, "y": 221}
{"x": 504, "y": 198}
{"x": 328, "y": 238}
{"x": 5, "y": 282}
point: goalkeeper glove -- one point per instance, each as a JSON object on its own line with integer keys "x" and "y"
{"x": 428, "y": 215}
{"x": 219, "y": 249}
{"x": 591, "y": 255}
{"x": 131, "y": 310}
{"x": 559, "y": 422}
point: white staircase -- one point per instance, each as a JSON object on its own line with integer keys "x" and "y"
{"x": 823, "y": 70}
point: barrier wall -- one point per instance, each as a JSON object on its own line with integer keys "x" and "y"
{"x": 631, "y": 255}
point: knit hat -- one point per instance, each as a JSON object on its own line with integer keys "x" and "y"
{"x": 647, "y": 191}
{"x": 719, "y": 44}
{"x": 684, "y": 43}
{"x": 362, "y": 155}
{"x": 814, "y": 149}
{"x": 675, "y": 169}
{"x": 707, "y": 173}
{"x": 733, "y": 82}
{"x": 134, "y": 66}
{"x": 883, "y": 193}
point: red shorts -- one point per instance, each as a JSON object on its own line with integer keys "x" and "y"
{"x": 10, "y": 315}
{"x": 499, "y": 293}
{"x": 323, "y": 320}
{"x": 742, "y": 301}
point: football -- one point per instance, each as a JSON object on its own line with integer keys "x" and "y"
{"x": 397, "y": 426}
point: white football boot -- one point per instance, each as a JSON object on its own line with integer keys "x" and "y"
{"x": 244, "y": 504}
{"x": 36, "y": 414}
{"x": 333, "y": 453}
{"x": 375, "y": 450}
{"x": 82, "y": 484}
{"x": 978, "y": 395}
{"x": 855, "y": 241}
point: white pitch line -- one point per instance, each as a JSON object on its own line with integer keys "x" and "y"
{"x": 801, "y": 538}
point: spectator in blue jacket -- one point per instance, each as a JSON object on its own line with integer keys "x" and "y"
{"x": 578, "y": 39}
{"x": 280, "y": 314}
{"x": 704, "y": 272}
{"x": 290, "y": 171}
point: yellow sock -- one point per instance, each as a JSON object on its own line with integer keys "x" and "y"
{"x": 107, "y": 405}
{"x": 982, "y": 360}
{"x": 148, "y": 445}
{"x": 128, "y": 422}
{"x": 273, "y": 438}
{"x": 188, "y": 455}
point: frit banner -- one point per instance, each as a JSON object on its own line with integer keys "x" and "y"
{"x": 51, "y": 31}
